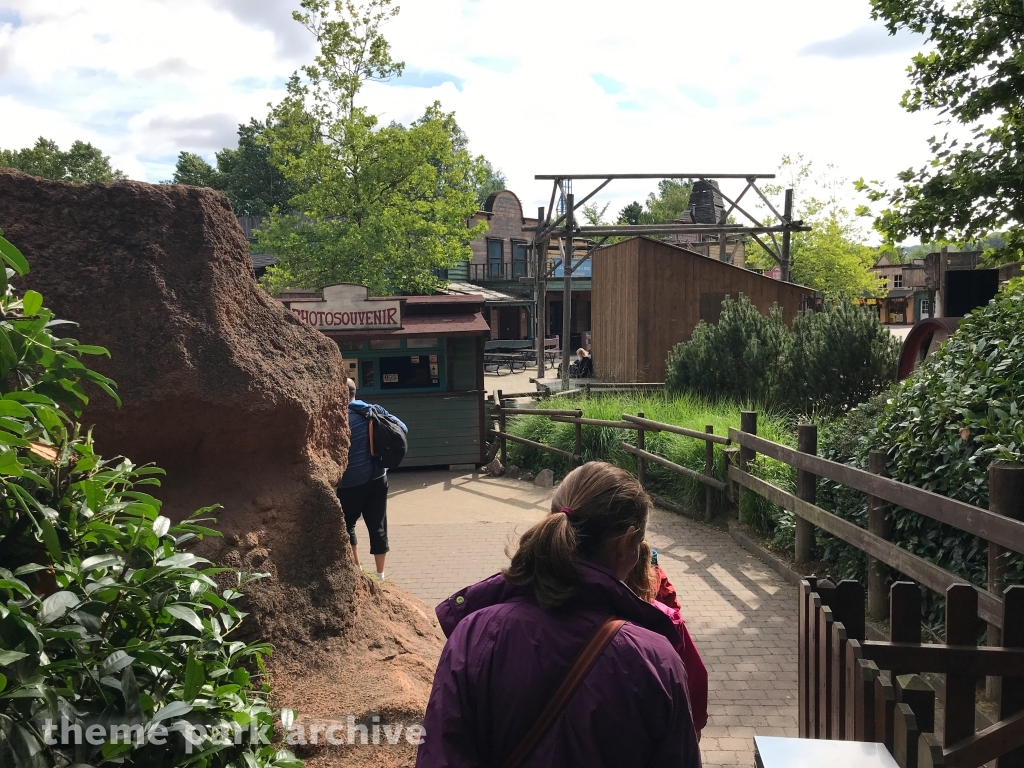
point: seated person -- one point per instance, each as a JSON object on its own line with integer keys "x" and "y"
{"x": 583, "y": 367}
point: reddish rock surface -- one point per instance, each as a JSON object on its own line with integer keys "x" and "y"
{"x": 239, "y": 402}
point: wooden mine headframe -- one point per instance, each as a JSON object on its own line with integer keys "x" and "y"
{"x": 774, "y": 237}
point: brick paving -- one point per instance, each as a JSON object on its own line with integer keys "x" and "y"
{"x": 448, "y": 530}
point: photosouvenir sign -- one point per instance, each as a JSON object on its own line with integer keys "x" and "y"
{"x": 346, "y": 307}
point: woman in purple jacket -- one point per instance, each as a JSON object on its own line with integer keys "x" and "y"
{"x": 513, "y": 638}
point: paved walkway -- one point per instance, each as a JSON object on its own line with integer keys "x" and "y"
{"x": 448, "y": 530}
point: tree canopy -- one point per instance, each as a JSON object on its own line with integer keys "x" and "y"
{"x": 973, "y": 74}
{"x": 82, "y": 162}
{"x": 668, "y": 204}
{"x": 245, "y": 174}
{"x": 381, "y": 205}
{"x": 832, "y": 257}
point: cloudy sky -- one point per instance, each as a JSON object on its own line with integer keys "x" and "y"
{"x": 540, "y": 86}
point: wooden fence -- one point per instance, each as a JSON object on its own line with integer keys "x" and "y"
{"x": 830, "y": 707}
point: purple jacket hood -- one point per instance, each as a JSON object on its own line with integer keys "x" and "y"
{"x": 624, "y": 603}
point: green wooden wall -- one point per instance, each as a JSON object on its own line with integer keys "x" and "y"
{"x": 463, "y": 354}
{"x": 443, "y": 428}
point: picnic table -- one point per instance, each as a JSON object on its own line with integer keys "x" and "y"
{"x": 500, "y": 359}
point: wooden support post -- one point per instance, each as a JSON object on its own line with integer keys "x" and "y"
{"x": 885, "y": 704}
{"x": 825, "y": 682}
{"x": 823, "y": 598}
{"x": 839, "y": 683}
{"x": 803, "y": 645}
{"x": 1011, "y": 695}
{"x": 961, "y": 629}
{"x": 787, "y": 235}
{"x": 730, "y": 457}
{"x": 806, "y": 489}
{"x": 709, "y": 469}
{"x": 641, "y": 462}
{"x": 501, "y": 428}
{"x": 865, "y": 726}
{"x": 905, "y": 613}
{"x": 878, "y": 595}
{"x": 577, "y": 450}
{"x": 540, "y": 298}
{"x": 854, "y": 688}
{"x": 748, "y": 423}
{"x": 567, "y": 292}
{"x": 1005, "y": 497}
{"x": 913, "y": 691}
{"x": 905, "y": 737}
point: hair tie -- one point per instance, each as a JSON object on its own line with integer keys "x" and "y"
{"x": 567, "y": 511}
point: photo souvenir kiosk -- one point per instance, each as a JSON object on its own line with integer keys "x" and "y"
{"x": 421, "y": 357}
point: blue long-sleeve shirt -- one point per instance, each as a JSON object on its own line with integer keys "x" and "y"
{"x": 361, "y": 466}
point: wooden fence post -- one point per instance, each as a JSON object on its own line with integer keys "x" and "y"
{"x": 878, "y": 595}
{"x": 746, "y": 456}
{"x": 577, "y": 451}
{"x": 501, "y": 428}
{"x": 1005, "y": 497}
{"x": 806, "y": 489}
{"x": 729, "y": 456}
{"x": 641, "y": 462}
{"x": 709, "y": 468}
{"x": 961, "y": 629}
{"x": 1011, "y": 697}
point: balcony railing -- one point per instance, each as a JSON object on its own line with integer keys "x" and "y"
{"x": 510, "y": 270}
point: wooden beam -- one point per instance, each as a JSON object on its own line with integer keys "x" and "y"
{"x": 917, "y": 568}
{"x": 532, "y": 444}
{"x": 987, "y": 525}
{"x": 657, "y": 426}
{"x": 685, "y": 471}
{"x": 904, "y": 658}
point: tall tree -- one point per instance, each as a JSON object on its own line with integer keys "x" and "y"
{"x": 494, "y": 181}
{"x": 250, "y": 180}
{"x": 193, "y": 170}
{"x": 832, "y": 257}
{"x": 973, "y": 74}
{"x": 82, "y": 162}
{"x": 382, "y": 205}
{"x": 671, "y": 202}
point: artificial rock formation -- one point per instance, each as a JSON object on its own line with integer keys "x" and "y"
{"x": 241, "y": 403}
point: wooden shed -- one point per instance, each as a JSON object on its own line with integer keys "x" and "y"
{"x": 649, "y": 295}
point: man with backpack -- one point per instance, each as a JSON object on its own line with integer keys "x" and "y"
{"x": 378, "y": 443}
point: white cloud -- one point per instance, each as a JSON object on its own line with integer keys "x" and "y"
{"x": 540, "y": 87}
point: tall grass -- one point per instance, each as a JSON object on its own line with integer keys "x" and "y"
{"x": 684, "y": 410}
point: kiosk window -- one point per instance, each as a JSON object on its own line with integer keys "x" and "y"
{"x": 349, "y": 346}
{"x": 369, "y": 373}
{"x": 420, "y": 343}
{"x": 385, "y": 344}
{"x": 409, "y": 372}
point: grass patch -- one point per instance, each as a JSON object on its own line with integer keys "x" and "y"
{"x": 693, "y": 412}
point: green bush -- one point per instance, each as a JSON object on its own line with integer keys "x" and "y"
{"x": 942, "y": 428}
{"x": 602, "y": 443}
{"x": 839, "y": 357}
{"x": 105, "y": 620}
{"x": 736, "y": 359}
{"x": 831, "y": 360}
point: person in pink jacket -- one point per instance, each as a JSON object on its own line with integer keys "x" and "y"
{"x": 513, "y": 639}
{"x": 649, "y": 582}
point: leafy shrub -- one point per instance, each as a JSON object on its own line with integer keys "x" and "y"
{"x": 737, "y": 358}
{"x": 104, "y": 618}
{"x": 942, "y": 428}
{"x": 839, "y": 357}
{"x": 830, "y": 361}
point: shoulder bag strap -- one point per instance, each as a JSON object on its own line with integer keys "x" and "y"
{"x": 572, "y": 681}
{"x": 369, "y": 427}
